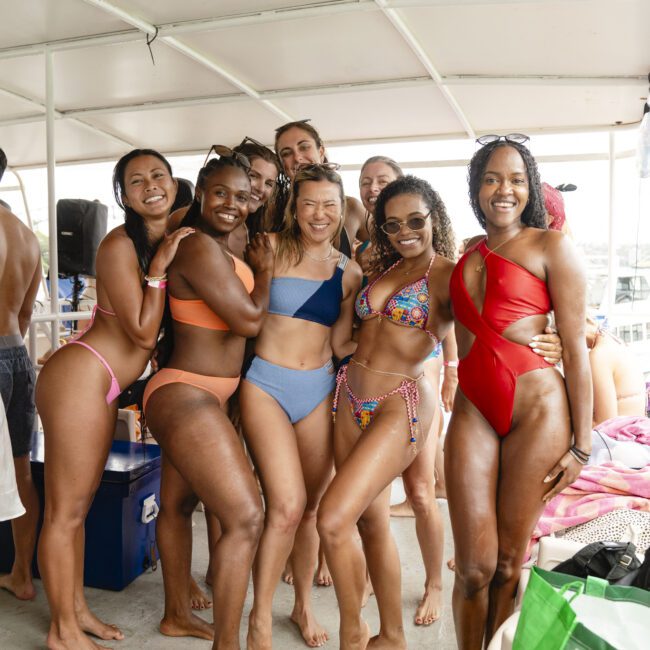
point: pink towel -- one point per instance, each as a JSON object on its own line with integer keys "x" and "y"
{"x": 627, "y": 427}
{"x": 599, "y": 489}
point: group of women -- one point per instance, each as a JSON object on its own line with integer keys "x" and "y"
{"x": 325, "y": 444}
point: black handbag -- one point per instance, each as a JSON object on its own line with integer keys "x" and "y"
{"x": 615, "y": 562}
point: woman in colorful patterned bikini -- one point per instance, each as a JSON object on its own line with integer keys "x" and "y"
{"x": 384, "y": 405}
{"x": 77, "y": 389}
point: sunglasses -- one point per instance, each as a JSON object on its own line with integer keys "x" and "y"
{"x": 330, "y": 166}
{"x": 414, "y": 223}
{"x": 252, "y": 141}
{"x": 518, "y": 138}
{"x": 226, "y": 152}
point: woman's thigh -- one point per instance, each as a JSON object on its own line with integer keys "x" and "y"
{"x": 202, "y": 445}
{"x": 271, "y": 440}
{"x": 472, "y": 452}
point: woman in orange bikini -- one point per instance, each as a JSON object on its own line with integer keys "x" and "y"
{"x": 216, "y": 301}
{"x": 509, "y": 443}
{"x": 77, "y": 388}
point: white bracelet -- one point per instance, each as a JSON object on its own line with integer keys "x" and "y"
{"x": 450, "y": 364}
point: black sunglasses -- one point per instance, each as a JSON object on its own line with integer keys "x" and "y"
{"x": 226, "y": 152}
{"x": 247, "y": 138}
{"x": 414, "y": 223}
{"x": 518, "y": 138}
{"x": 305, "y": 121}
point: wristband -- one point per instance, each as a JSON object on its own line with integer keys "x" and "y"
{"x": 450, "y": 364}
{"x": 156, "y": 283}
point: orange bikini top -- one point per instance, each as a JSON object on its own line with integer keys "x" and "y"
{"x": 196, "y": 312}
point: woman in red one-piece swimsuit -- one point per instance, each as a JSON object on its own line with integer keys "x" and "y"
{"x": 509, "y": 443}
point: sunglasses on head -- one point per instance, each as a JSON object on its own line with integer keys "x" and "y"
{"x": 226, "y": 152}
{"x": 247, "y": 138}
{"x": 330, "y": 166}
{"x": 518, "y": 138}
{"x": 305, "y": 121}
{"x": 414, "y": 223}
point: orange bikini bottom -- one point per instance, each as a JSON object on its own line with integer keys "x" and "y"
{"x": 221, "y": 387}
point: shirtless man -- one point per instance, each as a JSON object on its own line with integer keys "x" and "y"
{"x": 20, "y": 273}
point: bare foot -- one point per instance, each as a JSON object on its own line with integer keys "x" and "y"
{"x": 314, "y": 635}
{"x": 75, "y": 641}
{"x": 428, "y": 610}
{"x": 451, "y": 564}
{"x": 402, "y": 510}
{"x": 194, "y": 626}
{"x": 198, "y": 599}
{"x": 23, "y": 590}
{"x": 90, "y": 624}
{"x": 367, "y": 592}
{"x": 260, "y": 635}
{"x": 323, "y": 575}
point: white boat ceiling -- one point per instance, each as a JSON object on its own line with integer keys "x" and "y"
{"x": 363, "y": 70}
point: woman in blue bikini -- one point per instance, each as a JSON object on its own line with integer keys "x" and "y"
{"x": 285, "y": 397}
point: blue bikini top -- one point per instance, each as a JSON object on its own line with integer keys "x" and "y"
{"x": 318, "y": 301}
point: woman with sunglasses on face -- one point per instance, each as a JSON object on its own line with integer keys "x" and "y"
{"x": 216, "y": 301}
{"x": 84, "y": 378}
{"x": 384, "y": 405}
{"x": 299, "y": 143}
{"x": 285, "y": 398}
{"x": 420, "y": 477}
{"x": 519, "y": 433}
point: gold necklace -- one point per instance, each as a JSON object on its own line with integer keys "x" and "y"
{"x": 481, "y": 264}
{"x": 320, "y": 259}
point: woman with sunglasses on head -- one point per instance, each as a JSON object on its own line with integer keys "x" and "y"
{"x": 420, "y": 477}
{"x": 216, "y": 301}
{"x": 299, "y": 143}
{"x": 285, "y": 397}
{"x": 84, "y": 379}
{"x": 509, "y": 443}
{"x": 384, "y": 405}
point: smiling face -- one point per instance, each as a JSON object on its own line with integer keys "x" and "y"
{"x": 224, "y": 197}
{"x": 504, "y": 190}
{"x": 400, "y": 209}
{"x": 318, "y": 210}
{"x": 149, "y": 188}
{"x": 263, "y": 175}
{"x": 374, "y": 178}
{"x": 297, "y": 147}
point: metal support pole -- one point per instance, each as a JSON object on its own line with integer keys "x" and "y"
{"x": 612, "y": 266}
{"x": 51, "y": 198}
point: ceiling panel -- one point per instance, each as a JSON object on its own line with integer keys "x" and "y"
{"x": 169, "y": 12}
{"x": 311, "y": 51}
{"x": 595, "y": 37}
{"x": 522, "y": 106}
{"x": 24, "y": 144}
{"x": 192, "y": 128}
{"x": 363, "y": 115}
{"x": 111, "y": 75}
{"x": 37, "y": 21}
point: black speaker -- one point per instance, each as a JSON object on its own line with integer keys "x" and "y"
{"x": 81, "y": 225}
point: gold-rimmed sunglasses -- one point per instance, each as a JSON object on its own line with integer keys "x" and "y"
{"x": 226, "y": 152}
{"x": 414, "y": 223}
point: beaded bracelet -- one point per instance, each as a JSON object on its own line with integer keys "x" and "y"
{"x": 148, "y": 278}
{"x": 156, "y": 282}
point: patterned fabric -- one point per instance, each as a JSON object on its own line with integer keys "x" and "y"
{"x": 598, "y": 490}
{"x": 617, "y": 526}
{"x": 408, "y": 307}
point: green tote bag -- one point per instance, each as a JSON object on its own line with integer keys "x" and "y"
{"x": 562, "y": 612}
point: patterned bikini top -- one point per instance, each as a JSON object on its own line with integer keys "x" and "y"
{"x": 409, "y": 306}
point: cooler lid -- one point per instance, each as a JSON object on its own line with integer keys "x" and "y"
{"x": 126, "y": 462}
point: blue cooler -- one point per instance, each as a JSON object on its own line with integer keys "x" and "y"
{"x": 121, "y": 523}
